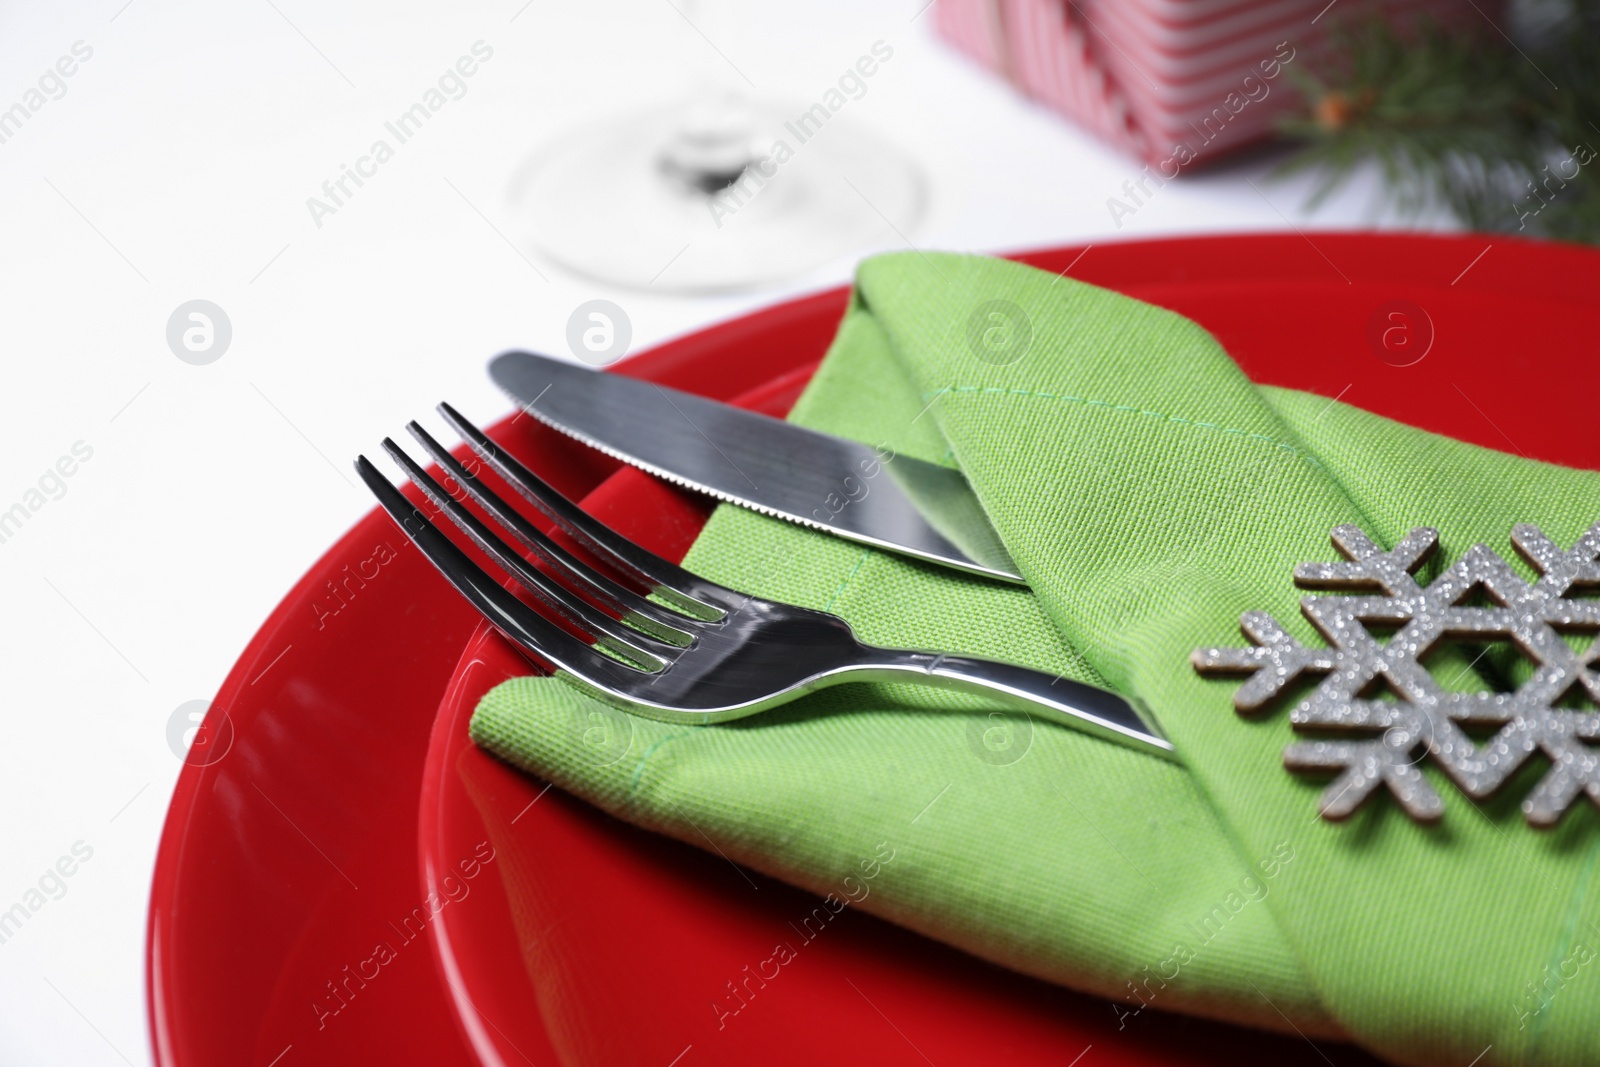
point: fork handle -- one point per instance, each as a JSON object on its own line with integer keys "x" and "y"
{"x": 1084, "y": 707}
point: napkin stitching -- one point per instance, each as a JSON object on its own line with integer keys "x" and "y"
{"x": 1126, "y": 409}
{"x": 644, "y": 757}
{"x": 1569, "y": 928}
{"x": 861, "y": 559}
{"x": 1238, "y": 844}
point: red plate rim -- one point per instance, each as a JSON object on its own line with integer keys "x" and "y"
{"x": 1498, "y": 268}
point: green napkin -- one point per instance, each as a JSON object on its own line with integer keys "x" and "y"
{"x": 1150, "y": 494}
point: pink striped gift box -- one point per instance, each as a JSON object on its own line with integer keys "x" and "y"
{"x": 1172, "y": 82}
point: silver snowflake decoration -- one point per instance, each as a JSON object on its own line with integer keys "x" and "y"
{"x": 1384, "y": 740}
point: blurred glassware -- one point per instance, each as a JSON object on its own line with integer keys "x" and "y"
{"x": 714, "y": 193}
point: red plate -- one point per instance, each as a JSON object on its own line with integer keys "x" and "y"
{"x": 292, "y": 855}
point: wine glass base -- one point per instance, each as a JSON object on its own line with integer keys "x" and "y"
{"x": 600, "y": 203}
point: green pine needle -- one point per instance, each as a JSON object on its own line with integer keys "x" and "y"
{"x": 1504, "y": 138}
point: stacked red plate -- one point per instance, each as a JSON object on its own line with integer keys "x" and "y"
{"x": 344, "y": 878}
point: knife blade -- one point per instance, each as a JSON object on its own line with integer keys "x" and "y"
{"x": 849, "y": 489}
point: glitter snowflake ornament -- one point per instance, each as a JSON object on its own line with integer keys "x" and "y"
{"x": 1381, "y": 742}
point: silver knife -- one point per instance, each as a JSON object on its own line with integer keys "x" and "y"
{"x": 890, "y": 501}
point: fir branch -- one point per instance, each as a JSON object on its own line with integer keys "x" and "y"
{"x": 1459, "y": 120}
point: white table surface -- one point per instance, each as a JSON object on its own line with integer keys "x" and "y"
{"x": 176, "y": 166}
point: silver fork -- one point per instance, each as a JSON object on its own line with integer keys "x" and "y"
{"x": 698, "y": 652}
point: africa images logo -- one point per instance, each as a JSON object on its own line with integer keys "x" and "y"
{"x": 1252, "y": 90}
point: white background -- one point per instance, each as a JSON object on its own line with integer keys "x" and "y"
{"x": 177, "y": 166}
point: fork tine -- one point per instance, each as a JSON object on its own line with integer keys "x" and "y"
{"x": 521, "y": 624}
{"x": 635, "y": 610}
{"x": 686, "y": 591}
{"x": 604, "y": 629}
